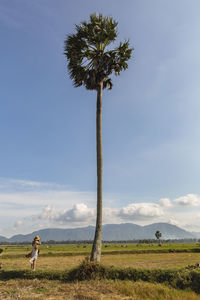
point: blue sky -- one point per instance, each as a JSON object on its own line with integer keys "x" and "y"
{"x": 150, "y": 118}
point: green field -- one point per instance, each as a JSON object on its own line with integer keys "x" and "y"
{"x": 51, "y": 279}
{"x": 60, "y": 257}
{"x": 76, "y": 248}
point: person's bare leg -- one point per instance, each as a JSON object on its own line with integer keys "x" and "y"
{"x": 34, "y": 263}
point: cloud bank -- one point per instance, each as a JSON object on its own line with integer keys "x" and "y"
{"x": 140, "y": 211}
{"x": 188, "y": 200}
{"x": 29, "y": 205}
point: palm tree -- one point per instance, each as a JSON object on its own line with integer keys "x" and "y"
{"x": 158, "y": 235}
{"x": 91, "y": 61}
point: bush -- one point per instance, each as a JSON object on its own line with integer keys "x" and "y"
{"x": 86, "y": 270}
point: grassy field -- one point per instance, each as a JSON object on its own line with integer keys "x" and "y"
{"x": 55, "y": 258}
{"x": 152, "y": 260}
{"x": 60, "y": 257}
{"x": 106, "y": 248}
{"x": 90, "y": 290}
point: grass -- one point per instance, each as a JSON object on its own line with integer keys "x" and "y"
{"x": 182, "y": 278}
{"x": 152, "y": 260}
{"x": 43, "y": 263}
{"x": 89, "y": 290}
{"x": 106, "y": 248}
{"x": 57, "y": 272}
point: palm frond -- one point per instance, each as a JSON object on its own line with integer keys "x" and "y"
{"x": 88, "y": 61}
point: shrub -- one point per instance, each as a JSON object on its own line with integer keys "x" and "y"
{"x": 86, "y": 270}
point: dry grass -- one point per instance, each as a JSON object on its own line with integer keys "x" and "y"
{"x": 43, "y": 263}
{"x": 89, "y": 290}
{"x": 159, "y": 260}
{"x": 149, "y": 261}
{"x": 99, "y": 290}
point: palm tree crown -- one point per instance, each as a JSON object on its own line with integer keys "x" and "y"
{"x": 90, "y": 62}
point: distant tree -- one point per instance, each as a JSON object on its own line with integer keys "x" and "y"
{"x": 158, "y": 235}
{"x": 91, "y": 61}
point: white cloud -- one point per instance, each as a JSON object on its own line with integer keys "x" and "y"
{"x": 141, "y": 211}
{"x": 13, "y": 185}
{"x": 18, "y": 224}
{"x": 165, "y": 202}
{"x": 48, "y": 213}
{"x": 173, "y": 221}
{"x": 26, "y": 206}
{"x": 79, "y": 213}
{"x": 33, "y": 201}
{"x": 111, "y": 215}
{"x": 188, "y": 200}
{"x": 82, "y": 215}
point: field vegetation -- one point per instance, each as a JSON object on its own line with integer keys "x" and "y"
{"x": 121, "y": 248}
{"x": 127, "y": 271}
{"x": 90, "y": 290}
{"x": 61, "y": 257}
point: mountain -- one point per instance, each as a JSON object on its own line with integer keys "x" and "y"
{"x": 73, "y": 234}
{"x": 130, "y": 231}
{"x": 111, "y": 232}
{"x": 168, "y": 231}
{"x": 196, "y": 234}
{"x": 3, "y": 239}
{"x": 119, "y": 232}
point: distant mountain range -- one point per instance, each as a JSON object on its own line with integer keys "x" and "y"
{"x": 196, "y": 234}
{"x": 111, "y": 232}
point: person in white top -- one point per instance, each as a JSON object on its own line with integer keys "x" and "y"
{"x": 34, "y": 254}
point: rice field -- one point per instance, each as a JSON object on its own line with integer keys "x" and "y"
{"x": 120, "y": 247}
{"x": 158, "y": 260}
{"x": 62, "y": 257}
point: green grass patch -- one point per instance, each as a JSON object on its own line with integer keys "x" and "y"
{"x": 61, "y": 253}
{"x": 17, "y": 249}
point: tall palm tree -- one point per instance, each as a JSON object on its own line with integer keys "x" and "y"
{"x": 91, "y": 61}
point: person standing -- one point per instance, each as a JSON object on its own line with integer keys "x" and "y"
{"x": 34, "y": 254}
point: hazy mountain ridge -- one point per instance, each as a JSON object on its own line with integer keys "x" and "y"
{"x": 111, "y": 232}
{"x": 196, "y": 234}
{"x": 3, "y": 239}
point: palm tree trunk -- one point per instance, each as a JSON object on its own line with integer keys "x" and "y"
{"x": 96, "y": 248}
